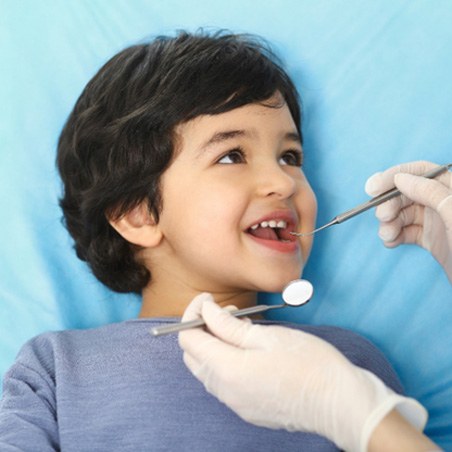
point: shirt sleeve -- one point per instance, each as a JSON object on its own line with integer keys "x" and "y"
{"x": 28, "y": 420}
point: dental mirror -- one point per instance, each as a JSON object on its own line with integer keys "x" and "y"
{"x": 296, "y": 293}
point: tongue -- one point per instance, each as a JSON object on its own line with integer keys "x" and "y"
{"x": 264, "y": 233}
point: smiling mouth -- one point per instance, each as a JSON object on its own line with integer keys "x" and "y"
{"x": 275, "y": 230}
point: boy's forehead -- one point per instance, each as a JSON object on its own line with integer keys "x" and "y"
{"x": 208, "y": 130}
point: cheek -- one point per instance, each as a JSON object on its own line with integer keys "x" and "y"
{"x": 201, "y": 212}
{"x": 218, "y": 216}
{"x": 307, "y": 205}
{"x": 308, "y": 213}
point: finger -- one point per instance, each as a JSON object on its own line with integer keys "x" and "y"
{"x": 207, "y": 359}
{"x": 428, "y": 192}
{"x": 192, "y": 363}
{"x": 195, "y": 341}
{"x": 206, "y": 356}
{"x": 193, "y": 310}
{"x": 409, "y": 235}
{"x": 202, "y": 349}
{"x": 412, "y": 215}
{"x": 231, "y": 308}
{"x": 189, "y": 339}
{"x": 210, "y": 361}
{"x": 390, "y": 209}
{"x": 383, "y": 181}
{"x": 228, "y": 328}
{"x": 445, "y": 208}
{"x": 214, "y": 365}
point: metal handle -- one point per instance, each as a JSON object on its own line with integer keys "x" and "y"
{"x": 386, "y": 196}
{"x": 176, "y": 327}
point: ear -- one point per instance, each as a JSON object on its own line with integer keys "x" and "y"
{"x": 138, "y": 227}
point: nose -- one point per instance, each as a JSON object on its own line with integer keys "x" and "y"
{"x": 275, "y": 180}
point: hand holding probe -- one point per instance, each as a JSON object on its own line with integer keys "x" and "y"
{"x": 380, "y": 199}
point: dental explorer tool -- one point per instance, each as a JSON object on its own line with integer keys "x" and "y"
{"x": 386, "y": 196}
{"x": 296, "y": 293}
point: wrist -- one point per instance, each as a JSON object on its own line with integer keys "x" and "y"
{"x": 395, "y": 433}
{"x": 395, "y": 408}
{"x": 359, "y": 417}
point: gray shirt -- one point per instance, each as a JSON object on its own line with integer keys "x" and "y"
{"x": 117, "y": 388}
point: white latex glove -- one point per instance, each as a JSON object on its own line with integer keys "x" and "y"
{"x": 279, "y": 377}
{"x": 422, "y": 216}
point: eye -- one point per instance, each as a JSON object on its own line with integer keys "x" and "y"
{"x": 234, "y": 156}
{"x": 293, "y": 158}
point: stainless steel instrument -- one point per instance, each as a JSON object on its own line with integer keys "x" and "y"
{"x": 296, "y": 293}
{"x": 380, "y": 199}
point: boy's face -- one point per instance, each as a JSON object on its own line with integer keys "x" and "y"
{"x": 233, "y": 173}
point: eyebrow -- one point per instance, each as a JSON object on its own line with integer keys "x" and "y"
{"x": 220, "y": 137}
{"x": 293, "y": 136}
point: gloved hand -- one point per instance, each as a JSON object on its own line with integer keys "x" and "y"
{"x": 422, "y": 216}
{"x": 279, "y": 377}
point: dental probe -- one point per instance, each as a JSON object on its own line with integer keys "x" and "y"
{"x": 386, "y": 196}
{"x": 296, "y": 293}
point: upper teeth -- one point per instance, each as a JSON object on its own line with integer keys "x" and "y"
{"x": 270, "y": 224}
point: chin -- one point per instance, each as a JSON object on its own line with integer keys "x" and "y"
{"x": 277, "y": 282}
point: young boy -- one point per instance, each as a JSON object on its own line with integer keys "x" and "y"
{"x": 181, "y": 171}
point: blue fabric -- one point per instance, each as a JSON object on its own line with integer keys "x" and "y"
{"x": 119, "y": 388}
{"x": 375, "y": 82}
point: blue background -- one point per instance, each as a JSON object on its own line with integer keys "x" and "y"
{"x": 375, "y": 79}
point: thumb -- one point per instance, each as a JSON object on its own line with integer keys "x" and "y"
{"x": 230, "y": 329}
{"x": 382, "y": 181}
{"x": 193, "y": 310}
{"x": 375, "y": 184}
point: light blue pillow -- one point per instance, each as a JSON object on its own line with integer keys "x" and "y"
{"x": 375, "y": 83}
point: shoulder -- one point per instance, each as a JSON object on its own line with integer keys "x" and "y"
{"x": 84, "y": 357}
{"x": 358, "y": 349}
{"x": 44, "y": 352}
{"x": 46, "y": 344}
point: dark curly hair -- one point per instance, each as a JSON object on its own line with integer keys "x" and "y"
{"x": 119, "y": 138}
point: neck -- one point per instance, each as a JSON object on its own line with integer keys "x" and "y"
{"x": 169, "y": 299}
